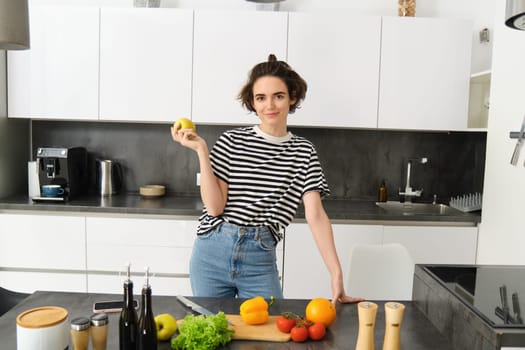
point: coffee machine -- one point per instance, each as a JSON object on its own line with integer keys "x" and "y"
{"x": 66, "y": 167}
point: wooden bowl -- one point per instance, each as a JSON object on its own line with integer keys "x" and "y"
{"x": 152, "y": 190}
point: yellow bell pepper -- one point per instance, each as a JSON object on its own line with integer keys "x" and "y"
{"x": 254, "y": 311}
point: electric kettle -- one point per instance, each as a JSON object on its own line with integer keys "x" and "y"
{"x": 109, "y": 177}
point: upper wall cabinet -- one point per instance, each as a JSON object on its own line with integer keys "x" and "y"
{"x": 58, "y": 76}
{"x": 338, "y": 56}
{"x": 425, "y": 73}
{"x": 227, "y": 44}
{"x": 145, "y": 64}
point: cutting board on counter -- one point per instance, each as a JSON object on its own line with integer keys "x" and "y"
{"x": 264, "y": 332}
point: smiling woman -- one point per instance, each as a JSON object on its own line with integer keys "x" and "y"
{"x": 252, "y": 183}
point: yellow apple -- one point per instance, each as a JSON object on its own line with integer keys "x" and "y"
{"x": 185, "y": 123}
{"x": 166, "y": 326}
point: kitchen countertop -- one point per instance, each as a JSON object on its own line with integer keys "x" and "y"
{"x": 416, "y": 331}
{"x": 339, "y": 210}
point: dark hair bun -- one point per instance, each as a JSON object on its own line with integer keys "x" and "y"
{"x": 272, "y": 58}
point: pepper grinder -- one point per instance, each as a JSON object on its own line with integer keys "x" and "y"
{"x": 393, "y": 319}
{"x": 366, "y": 312}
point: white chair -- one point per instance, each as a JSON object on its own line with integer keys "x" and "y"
{"x": 380, "y": 272}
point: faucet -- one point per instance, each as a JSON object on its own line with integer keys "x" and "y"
{"x": 409, "y": 192}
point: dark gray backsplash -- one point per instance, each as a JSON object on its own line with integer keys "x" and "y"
{"x": 355, "y": 161}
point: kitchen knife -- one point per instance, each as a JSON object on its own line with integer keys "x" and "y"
{"x": 196, "y": 307}
{"x": 519, "y": 143}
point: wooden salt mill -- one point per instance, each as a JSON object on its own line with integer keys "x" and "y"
{"x": 393, "y": 319}
{"x": 366, "y": 312}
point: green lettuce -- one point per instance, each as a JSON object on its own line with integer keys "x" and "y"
{"x": 202, "y": 333}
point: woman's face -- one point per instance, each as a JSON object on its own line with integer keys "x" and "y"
{"x": 271, "y": 102}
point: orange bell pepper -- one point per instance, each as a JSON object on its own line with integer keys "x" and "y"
{"x": 254, "y": 311}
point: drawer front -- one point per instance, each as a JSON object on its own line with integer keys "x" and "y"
{"x": 163, "y": 245}
{"x": 160, "y": 285}
{"x": 42, "y": 241}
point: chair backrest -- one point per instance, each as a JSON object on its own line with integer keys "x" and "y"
{"x": 8, "y": 299}
{"x": 380, "y": 272}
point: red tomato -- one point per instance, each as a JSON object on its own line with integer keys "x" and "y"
{"x": 299, "y": 334}
{"x": 317, "y": 331}
{"x": 286, "y": 323}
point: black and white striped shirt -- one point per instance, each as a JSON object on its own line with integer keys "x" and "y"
{"x": 266, "y": 176}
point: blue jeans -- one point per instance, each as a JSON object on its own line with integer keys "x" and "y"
{"x": 233, "y": 260}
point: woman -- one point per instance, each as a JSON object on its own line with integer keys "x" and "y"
{"x": 251, "y": 185}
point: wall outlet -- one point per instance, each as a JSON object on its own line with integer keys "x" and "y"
{"x": 198, "y": 179}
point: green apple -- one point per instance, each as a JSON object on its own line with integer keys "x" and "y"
{"x": 166, "y": 326}
{"x": 184, "y": 123}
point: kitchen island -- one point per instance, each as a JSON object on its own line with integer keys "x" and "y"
{"x": 416, "y": 332}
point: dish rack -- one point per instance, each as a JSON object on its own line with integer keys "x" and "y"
{"x": 467, "y": 202}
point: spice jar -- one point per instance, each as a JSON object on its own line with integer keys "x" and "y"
{"x": 99, "y": 331}
{"x": 406, "y": 8}
{"x": 80, "y": 333}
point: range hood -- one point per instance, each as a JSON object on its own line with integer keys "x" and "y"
{"x": 515, "y": 14}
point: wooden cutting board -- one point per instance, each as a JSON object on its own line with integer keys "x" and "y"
{"x": 263, "y": 332}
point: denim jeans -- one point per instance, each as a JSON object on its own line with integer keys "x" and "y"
{"x": 233, "y": 260}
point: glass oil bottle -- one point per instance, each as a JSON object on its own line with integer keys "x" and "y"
{"x": 147, "y": 336}
{"x": 128, "y": 318}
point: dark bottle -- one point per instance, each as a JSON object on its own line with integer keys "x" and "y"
{"x": 128, "y": 318}
{"x": 382, "y": 194}
{"x": 147, "y": 336}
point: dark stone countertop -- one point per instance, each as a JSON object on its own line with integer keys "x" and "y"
{"x": 416, "y": 331}
{"x": 339, "y": 210}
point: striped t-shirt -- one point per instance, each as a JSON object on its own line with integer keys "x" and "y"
{"x": 266, "y": 176}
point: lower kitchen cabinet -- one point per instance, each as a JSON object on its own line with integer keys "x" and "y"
{"x": 31, "y": 281}
{"x": 305, "y": 274}
{"x": 42, "y": 252}
{"x": 436, "y": 244}
{"x": 42, "y": 241}
{"x": 113, "y": 284}
{"x": 161, "y": 244}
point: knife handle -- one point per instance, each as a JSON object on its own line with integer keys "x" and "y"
{"x": 516, "y": 154}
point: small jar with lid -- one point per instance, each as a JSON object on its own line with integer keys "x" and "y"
{"x": 42, "y": 328}
{"x": 80, "y": 333}
{"x": 99, "y": 331}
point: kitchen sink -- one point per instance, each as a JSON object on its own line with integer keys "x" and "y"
{"x": 417, "y": 208}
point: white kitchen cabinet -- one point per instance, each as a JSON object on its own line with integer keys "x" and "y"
{"x": 114, "y": 284}
{"x": 436, "y": 244}
{"x": 145, "y": 64}
{"x": 338, "y": 56}
{"x": 42, "y": 241}
{"x": 31, "y": 281}
{"x": 305, "y": 274}
{"x": 58, "y": 77}
{"x": 162, "y": 244}
{"x": 227, "y": 44}
{"x": 45, "y": 252}
{"x": 425, "y": 73}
